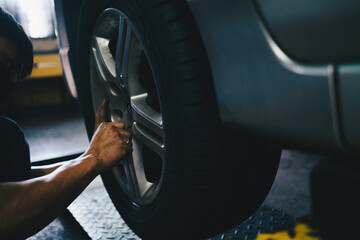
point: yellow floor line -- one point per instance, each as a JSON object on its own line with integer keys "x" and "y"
{"x": 301, "y": 232}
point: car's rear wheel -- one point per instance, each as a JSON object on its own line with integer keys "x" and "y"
{"x": 187, "y": 177}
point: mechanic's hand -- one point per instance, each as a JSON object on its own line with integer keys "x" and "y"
{"x": 109, "y": 144}
{"x": 101, "y": 114}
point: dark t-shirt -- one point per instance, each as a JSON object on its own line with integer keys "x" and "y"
{"x": 14, "y": 152}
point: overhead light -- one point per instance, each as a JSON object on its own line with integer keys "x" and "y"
{"x": 35, "y": 16}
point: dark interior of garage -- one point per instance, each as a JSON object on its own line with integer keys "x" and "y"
{"x": 313, "y": 197}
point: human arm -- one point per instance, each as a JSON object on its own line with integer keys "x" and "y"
{"x": 30, "y": 205}
{"x": 38, "y": 171}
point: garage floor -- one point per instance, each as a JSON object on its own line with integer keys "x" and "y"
{"x": 59, "y": 135}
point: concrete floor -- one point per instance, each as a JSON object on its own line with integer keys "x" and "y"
{"x": 291, "y": 189}
{"x": 56, "y": 136}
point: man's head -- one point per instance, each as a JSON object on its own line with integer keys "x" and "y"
{"x": 16, "y": 52}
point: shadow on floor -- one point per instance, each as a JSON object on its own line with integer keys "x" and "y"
{"x": 64, "y": 227}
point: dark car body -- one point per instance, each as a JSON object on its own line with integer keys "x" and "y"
{"x": 285, "y": 70}
{"x": 212, "y": 90}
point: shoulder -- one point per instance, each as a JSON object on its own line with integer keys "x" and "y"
{"x": 9, "y": 125}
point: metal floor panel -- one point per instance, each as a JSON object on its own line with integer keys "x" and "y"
{"x": 265, "y": 219}
{"x": 64, "y": 227}
{"x": 95, "y": 212}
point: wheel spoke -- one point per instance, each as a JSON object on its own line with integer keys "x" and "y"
{"x": 122, "y": 174}
{"x": 142, "y": 185}
{"x": 98, "y": 89}
{"x": 132, "y": 171}
{"x": 147, "y": 125}
{"x": 123, "y": 48}
{"x": 101, "y": 88}
{"x": 132, "y": 178}
{"x": 104, "y": 61}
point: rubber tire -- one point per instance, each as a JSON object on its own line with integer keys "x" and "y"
{"x": 213, "y": 178}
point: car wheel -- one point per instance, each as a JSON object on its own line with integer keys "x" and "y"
{"x": 188, "y": 177}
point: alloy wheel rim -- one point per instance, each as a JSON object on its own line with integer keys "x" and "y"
{"x": 121, "y": 73}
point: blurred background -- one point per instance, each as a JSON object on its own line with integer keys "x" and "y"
{"x": 55, "y": 130}
{"x": 41, "y": 104}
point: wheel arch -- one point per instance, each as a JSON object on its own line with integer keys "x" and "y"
{"x": 67, "y": 13}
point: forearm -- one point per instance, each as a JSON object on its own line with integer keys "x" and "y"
{"x": 38, "y": 171}
{"x": 31, "y": 204}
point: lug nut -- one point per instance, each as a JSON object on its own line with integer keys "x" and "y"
{"x": 116, "y": 116}
{"x": 114, "y": 89}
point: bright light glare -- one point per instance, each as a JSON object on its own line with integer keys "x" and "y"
{"x": 36, "y": 17}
